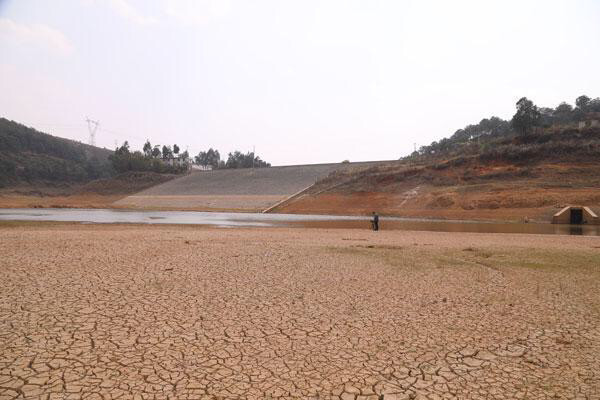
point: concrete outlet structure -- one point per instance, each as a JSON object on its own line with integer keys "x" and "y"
{"x": 576, "y": 215}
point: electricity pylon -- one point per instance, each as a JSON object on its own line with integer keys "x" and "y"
{"x": 92, "y": 128}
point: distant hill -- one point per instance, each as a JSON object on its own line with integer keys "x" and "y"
{"x": 504, "y": 176}
{"x": 528, "y": 167}
{"x": 500, "y": 159}
{"x": 29, "y": 156}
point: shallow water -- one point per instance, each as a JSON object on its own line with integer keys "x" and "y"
{"x": 232, "y": 220}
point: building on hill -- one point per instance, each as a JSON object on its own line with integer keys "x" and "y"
{"x": 177, "y": 161}
{"x": 198, "y": 167}
{"x": 590, "y": 120}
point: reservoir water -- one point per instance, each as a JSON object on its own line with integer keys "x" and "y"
{"x": 232, "y": 220}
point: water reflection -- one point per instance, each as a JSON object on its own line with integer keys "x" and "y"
{"x": 231, "y": 220}
{"x": 575, "y": 230}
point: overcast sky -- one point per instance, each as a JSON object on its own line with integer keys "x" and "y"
{"x": 303, "y": 81}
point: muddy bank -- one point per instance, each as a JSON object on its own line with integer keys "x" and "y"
{"x": 513, "y": 203}
{"x": 238, "y": 220}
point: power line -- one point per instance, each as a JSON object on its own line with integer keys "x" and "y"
{"x": 64, "y": 125}
{"x": 93, "y": 128}
{"x": 122, "y": 134}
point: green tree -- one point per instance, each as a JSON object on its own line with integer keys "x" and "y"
{"x": 594, "y": 105}
{"x": 156, "y": 151}
{"x": 582, "y": 102}
{"x": 200, "y": 159}
{"x": 121, "y": 158}
{"x": 167, "y": 152}
{"x": 214, "y": 158}
{"x": 237, "y": 159}
{"x": 526, "y": 117}
{"x": 175, "y": 149}
{"x": 147, "y": 149}
{"x": 210, "y": 157}
{"x": 124, "y": 149}
{"x": 563, "y": 113}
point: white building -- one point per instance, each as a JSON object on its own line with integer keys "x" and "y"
{"x": 176, "y": 161}
{"x": 198, "y": 167}
{"x": 589, "y": 123}
{"x": 591, "y": 120}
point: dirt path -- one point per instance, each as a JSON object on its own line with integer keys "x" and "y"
{"x": 189, "y": 313}
{"x": 409, "y": 195}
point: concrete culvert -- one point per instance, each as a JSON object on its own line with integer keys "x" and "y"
{"x": 576, "y": 215}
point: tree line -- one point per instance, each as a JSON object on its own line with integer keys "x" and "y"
{"x": 527, "y": 117}
{"x": 27, "y": 155}
{"x": 165, "y": 152}
{"x": 237, "y": 159}
{"x": 152, "y": 158}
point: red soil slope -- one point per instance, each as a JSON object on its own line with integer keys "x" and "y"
{"x": 502, "y": 192}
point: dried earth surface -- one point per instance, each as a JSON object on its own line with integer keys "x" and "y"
{"x": 107, "y": 312}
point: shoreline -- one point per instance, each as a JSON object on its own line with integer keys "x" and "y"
{"x": 108, "y": 204}
{"x": 145, "y": 218}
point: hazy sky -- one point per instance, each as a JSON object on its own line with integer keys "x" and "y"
{"x": 304, "y": 81}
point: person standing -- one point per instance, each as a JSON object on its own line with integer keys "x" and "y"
{"x": 375, "y": 221}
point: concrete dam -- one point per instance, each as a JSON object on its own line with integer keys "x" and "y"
{"x": 247, "y": 189}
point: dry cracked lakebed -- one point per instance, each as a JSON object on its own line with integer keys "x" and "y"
{"x": 108, "y": 312}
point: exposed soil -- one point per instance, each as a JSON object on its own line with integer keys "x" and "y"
{"x": 496, "y": 191}
{"x": 101, "y": 193}
{"x": 90, "y": 200}
{"x": 449, "y": 189}
{"x": 505, "y": 178}
{"x": 193, "y": 313}
{"x": 127, "y": 183}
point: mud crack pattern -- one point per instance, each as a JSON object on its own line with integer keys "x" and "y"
{"x": 155, "y": 313}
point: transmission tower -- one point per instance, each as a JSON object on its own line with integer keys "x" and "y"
{"x": 92, "y": 128}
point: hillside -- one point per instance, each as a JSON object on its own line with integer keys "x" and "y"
{"x": 31, "y": 157}
{"x": 509, "y": 177}
{"x": 523, "y": 169}
{"x": 41, "y": 170}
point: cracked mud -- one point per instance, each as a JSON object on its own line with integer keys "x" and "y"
{"x": 108, "y": 312}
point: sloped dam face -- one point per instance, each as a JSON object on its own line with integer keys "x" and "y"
{"x": 249, "y": 189}
{"x": 233, "y": 220}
